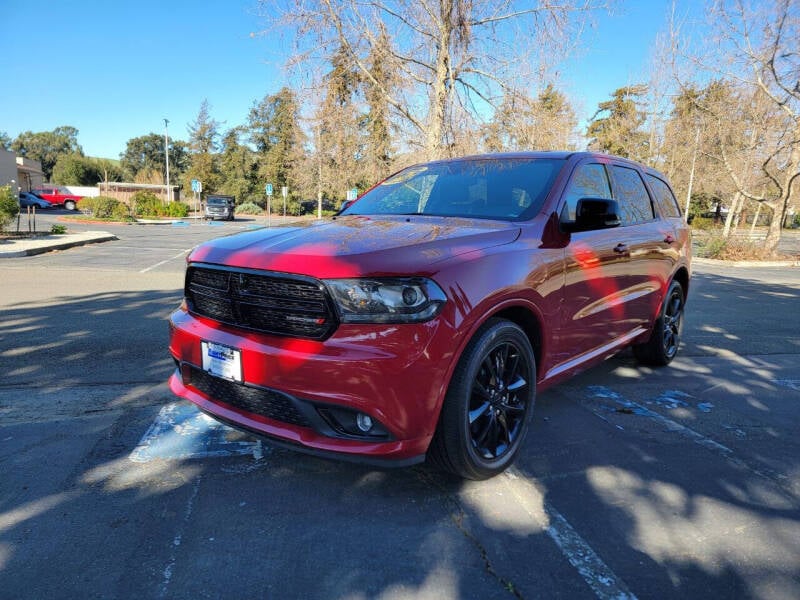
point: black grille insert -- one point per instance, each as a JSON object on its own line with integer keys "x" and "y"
{"x": 259, "y": 401}
{"x": 278, "y": 304}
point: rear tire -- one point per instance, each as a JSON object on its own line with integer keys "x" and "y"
{"x": 69, "y": 204}
{"x": 488, "y": 406}
{"x": 665, "y": 339}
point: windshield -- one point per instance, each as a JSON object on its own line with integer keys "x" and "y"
{"x": 508, "y": 188}
{"x": 218, "y": 201}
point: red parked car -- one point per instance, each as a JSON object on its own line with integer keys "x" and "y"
{"x": 58, "y": 196}
{"x": 423, "y": 319}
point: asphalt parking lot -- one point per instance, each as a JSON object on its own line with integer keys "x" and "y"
{"x": 633, "y": 483}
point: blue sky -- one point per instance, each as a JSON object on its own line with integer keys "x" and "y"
{"x": 115, "y": 70}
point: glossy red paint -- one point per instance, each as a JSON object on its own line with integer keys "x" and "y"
{"x": 580, "y": 297}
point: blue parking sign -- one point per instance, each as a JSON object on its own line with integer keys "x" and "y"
{"x": 268, "y": 189}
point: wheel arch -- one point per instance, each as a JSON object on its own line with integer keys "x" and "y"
{"x": 522, "y": 313}
{"x": 529, "y": 322}
{"x": 682, "y": 277}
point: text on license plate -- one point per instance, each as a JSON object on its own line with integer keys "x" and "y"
{"x": 222, "y": 361}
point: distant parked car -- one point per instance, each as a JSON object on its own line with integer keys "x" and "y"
{"x": 27, "y": 199}
{"x": 220, "y": 207}
{"x": 58, "y": 196}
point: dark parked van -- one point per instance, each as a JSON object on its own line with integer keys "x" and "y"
{"x": 220, "y": 207}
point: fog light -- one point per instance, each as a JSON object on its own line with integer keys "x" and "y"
{"x": 364, "y": 422}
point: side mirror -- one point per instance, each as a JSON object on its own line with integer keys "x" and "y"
{"x": 594, "y": 213}
{"x": 345, "y": 205}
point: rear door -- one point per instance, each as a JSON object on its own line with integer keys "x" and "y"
{"x": 646, "y": 240}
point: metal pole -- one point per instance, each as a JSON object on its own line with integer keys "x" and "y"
{"x": 166, "y": 156}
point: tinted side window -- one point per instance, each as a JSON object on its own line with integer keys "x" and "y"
{"x": 666, "y": 201}
{"x": 588, "y": 181}
{"x": 634, "y": 201}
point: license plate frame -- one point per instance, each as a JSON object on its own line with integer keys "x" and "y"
{"x": 222, "y": 361}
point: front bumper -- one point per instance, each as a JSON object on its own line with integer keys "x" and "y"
{"x": 296, "y": 391}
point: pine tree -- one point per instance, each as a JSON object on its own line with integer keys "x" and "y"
{"x": 203, "y": 136}
{"x": 619, "y": 129}
{"x": 275, "y": 132}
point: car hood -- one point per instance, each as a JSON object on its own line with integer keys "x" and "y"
{"x": 355, "y": 246}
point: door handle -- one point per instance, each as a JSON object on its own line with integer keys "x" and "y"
{"x": 669, "y": 239}
{"x": 621, "y": 248}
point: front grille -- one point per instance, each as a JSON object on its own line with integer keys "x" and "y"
{"x": 280, "y": 305}
{"x": 259, "y": 401}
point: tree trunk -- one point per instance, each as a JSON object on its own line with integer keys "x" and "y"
{"x": 733, "y": 210}
{"x": 441, "y": 90}
{"x": 755, "y": 220}
{"x": 774, "y": 231}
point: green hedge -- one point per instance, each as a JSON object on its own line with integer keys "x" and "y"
{"x": 249, "y": 208}
{"x": 147, "y": 204}
{"x": 103, "y": 207}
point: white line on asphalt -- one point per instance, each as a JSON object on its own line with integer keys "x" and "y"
{"x": 599, "y": 391}
{"x": 163, "y": 262}
{"x": 176, "y": 541}
{"x": 598, "y": 575}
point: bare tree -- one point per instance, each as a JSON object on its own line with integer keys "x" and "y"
{"x": 453, "y": 59}
{"x": 755, "y": 49}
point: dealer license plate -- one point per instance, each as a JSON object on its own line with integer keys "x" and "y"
{"x": 222, "y": 361}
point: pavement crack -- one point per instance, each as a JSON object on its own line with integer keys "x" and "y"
{"x": 458, "y": 516}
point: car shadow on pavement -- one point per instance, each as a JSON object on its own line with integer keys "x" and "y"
{"x": 61, "y": 350}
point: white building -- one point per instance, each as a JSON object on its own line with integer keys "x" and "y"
{"x": 22, "y": 174}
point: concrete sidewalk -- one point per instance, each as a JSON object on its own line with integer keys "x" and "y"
{"x": 13, "y": 248}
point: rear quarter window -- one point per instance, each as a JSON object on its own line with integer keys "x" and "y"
{"x": 634, "y": 202}
{"x": 664, "y": 197}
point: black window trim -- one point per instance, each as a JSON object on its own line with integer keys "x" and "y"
{"x": 589, "y": 160}
{"x": 641, "y": 173}
{"x": 653, "y": 194}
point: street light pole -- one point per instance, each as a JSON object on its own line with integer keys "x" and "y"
{"x": 166, "y": 156}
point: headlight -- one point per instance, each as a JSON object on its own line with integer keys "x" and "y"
{"x": 411, "y": 300}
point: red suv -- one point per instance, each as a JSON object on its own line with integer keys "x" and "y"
{"x": 422, "y": 320}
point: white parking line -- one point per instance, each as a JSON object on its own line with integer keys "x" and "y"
{"x": 598, "y": 391}
{"x": 602, "y": 392}
{"x": 163, "y": 262}
{"x": 598, "y": 575}
{"x": 176, "y": 541}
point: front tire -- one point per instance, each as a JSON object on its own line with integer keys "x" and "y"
{"x": 69, "y": 204}
{"x": 488, "y": 406}
{"x": 665, "y": 339}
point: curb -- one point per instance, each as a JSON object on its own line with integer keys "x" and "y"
{"x": 745, "y": 263}
{"x": 32, "y": 251}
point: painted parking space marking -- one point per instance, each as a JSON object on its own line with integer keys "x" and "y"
{"x": 181, "y": 431}
{"x": 602, "y": 392}
{"x": 605, "y": 584}
{"x": 792, "y": 384}
{"x": 599, "y": 392}
{"x": 163, "y": 262}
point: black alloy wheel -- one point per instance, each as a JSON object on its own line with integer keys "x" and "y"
{"x": 665, "y": 339}
{"x": 496, "y": 411}
{"x": 489, "y": 404}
